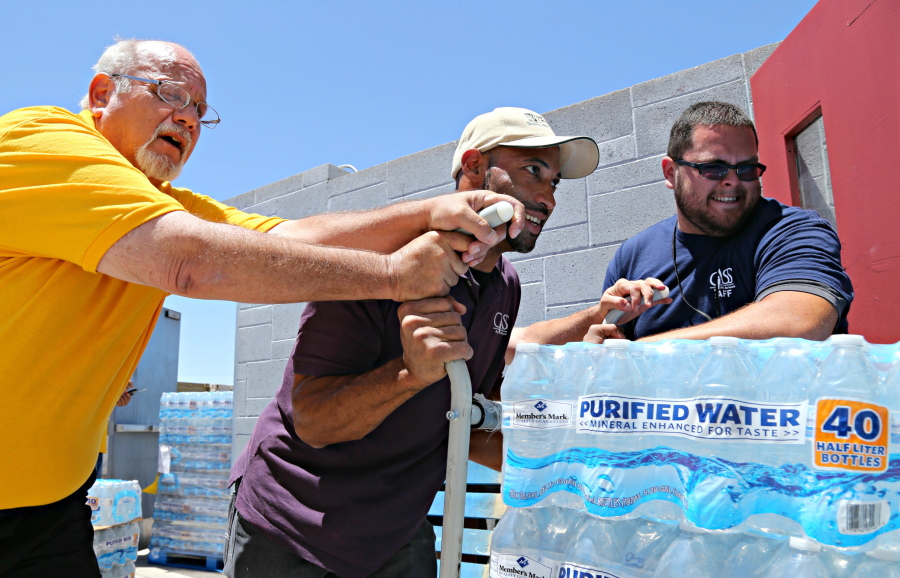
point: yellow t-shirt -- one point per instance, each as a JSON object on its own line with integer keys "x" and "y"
{"x": 70, "y": 337}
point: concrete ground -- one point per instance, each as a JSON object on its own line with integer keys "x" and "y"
{"x": 146, "y": 570}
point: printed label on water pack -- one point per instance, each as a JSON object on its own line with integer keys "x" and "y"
{"x": 895, "y": 427}
{"x": 513, "y": 566}
{"x": 93, "y": 502}
{"x": 702, "y": 418}
{"x": 851, "y": 435}
{"x": 579, "y": 571}
{"x": 541, "y": 413}
{"x": 856, "y": 517}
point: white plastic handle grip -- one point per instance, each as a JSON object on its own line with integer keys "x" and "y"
{"x": 495, "y": 215}
{"x": 614, "y": 315}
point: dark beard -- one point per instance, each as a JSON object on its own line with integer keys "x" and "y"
{"x": 699, "y": 219}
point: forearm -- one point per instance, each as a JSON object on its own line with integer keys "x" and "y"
{"x": 486, "y": 448}
{"x": 383, "y": 230}
{"x": 187, "y": 256}
{"x": 330, "y": 410}
{"x": 782, "y": 314}
{"x": 556, "y": 331}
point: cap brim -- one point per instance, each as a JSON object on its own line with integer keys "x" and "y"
{"x": 579, "y": 155}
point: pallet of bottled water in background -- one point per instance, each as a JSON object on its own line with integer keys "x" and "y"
{"x": 712, "y": 458}
{"x": 191, "y": 509}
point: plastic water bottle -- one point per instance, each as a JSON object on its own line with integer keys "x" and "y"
{"x": 558, "y": 526}
{"x": 515, "y": 544}
{"x": 880, "y": 563}
{"x": 722, "y": 374}
{"x": 686, "y": 555}
{"x": 595, "y": 548}
{"x": 800, "y": 560}
{"x": 892, "y": 391}
{"x": 573, "y": 375}
{"x": 850, "y": 421}
{"x": 749, "y": 356}
{"x": 671, "y": 378}
{"x": 753, "y": 555}
{"x": 527, "y": 395}
{"x": 786, "y": 377}
{"x": 646, "y": 545}
{"x": 615, "y": 373}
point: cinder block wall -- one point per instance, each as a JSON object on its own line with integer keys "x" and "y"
{"x": 565, "y": 271}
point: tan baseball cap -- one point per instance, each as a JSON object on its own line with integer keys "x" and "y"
{"x": 522, "y": 128}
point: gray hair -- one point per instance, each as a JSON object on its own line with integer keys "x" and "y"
{"x": 127, "y": 56}
{"x": 709, "y": 113}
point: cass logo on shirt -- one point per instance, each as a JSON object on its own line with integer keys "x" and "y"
{"x": 501, "y": 323}
{"x": 723, "y": 281}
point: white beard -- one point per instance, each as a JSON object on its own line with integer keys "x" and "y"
{"x": 156, "y": 165}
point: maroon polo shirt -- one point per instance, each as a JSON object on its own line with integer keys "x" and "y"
{"x": 350, "y": 506}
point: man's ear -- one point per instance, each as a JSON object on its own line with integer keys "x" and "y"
{"x": 668, "y": 168}
{"x": 101, "y": 90}
{"x": 474, "y": 165}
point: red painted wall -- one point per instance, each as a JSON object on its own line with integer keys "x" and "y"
{"x": 843, "y": 59}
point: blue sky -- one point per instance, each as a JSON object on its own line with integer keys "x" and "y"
{"x": 299, "y": 84}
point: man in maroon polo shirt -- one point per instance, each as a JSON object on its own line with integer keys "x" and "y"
{"x": 344, "y": 463}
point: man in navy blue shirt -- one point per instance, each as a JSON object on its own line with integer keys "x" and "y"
{"x": 736, "y": 263}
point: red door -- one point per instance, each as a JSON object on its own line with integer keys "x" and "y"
{"x": 835, "y": 81}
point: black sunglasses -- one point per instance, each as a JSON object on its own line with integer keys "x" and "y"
{"x": 716, "y": 171}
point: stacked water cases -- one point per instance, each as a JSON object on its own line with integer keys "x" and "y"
{"x": 115, "y": 511}
{"x": 191, "y": 509}
{"x": 717, "y": 458}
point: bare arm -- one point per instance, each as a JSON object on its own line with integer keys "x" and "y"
{"x": 577, "y": 325}
{"x": 386, "y": 229}
{"x": 329, "y": 410}
{"x": 781, "y": 314}
{"x": 486, "y": 448}
{"x": 185, "y": 255}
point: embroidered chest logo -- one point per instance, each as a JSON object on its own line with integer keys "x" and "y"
{"x": 501, "y": 323}
{"x": 722, "y": 281}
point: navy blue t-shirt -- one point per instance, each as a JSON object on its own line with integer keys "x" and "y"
{"x": 349, "y": 507}
{"x": 781, "y": 248}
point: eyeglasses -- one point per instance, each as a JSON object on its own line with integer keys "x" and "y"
{"x": 716, "y": 171}
{"x": 178, "y": 97}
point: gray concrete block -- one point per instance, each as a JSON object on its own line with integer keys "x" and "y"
{"x": 575, "y": 277}
{"x": 571, "y": 204}
{"x": 653, "y": 122}
{"x": 264, "y": 378}
{"x": 753, "y": 59}
{"x": 309, "y": 201}
{"x": 420, "y": 171}
{"x": 809, "y": 146}
{"x": 362, "y": 179}
{"x": 565, "y": 310}
{"x": 255, "y": 406}
{"x": 445, "y": 189}
{"x": 367, "y": 198}
{"x": 244, "y": 425}
{"x": 279, "y": 188}
{"x": 554, "y": 241}
{"x": 616, "y": 151}
{"x": 531, "y": 307}
{"x": 282, "y": 348}
{"x": 254, "y": 343}
{"x": 268, "y": 208}
{"x": 242, "y": 306}
{"x": 602, "y": 118}
{"x": 255, "y": 316}
{"x": 321, "y": 173}
{"x": 286, "y": 320}
{"x": 530, "y": 271}
{"x": 626, "y": 175}
{"x": 620, "y": 215}
{"x": 238, "y": 443}
{"x": 242, "y": 201}
{"x": 239, "y": 398}
{"x": 240, "y": 371}
{"x": 690, "y": 80}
